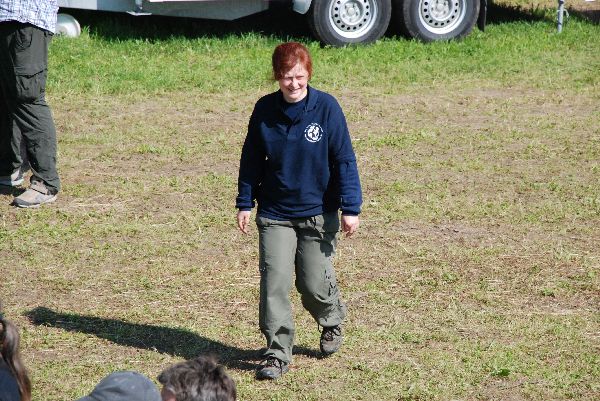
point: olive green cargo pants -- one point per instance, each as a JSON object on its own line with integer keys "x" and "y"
{"x": 305, "y": 247}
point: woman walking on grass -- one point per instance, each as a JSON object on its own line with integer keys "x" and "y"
{"x": 298, "y": 165}
{"x": 14, "y": 381}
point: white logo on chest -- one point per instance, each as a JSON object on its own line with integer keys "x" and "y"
{"x": 313, "y": 132}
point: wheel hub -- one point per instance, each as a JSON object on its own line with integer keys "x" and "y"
{"x": 352, "y": 18}
{"x": 440, "y": 16}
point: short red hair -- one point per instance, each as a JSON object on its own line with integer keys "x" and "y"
{"x": 287, "y": 55}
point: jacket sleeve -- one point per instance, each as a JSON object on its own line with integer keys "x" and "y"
{"x": 251, "y": 166}
{"x": 342, "y": 157}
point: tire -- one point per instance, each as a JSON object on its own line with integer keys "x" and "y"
{"x": 429, "y": 20}
{"x": 342, "y": 22}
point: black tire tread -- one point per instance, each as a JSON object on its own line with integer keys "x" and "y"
{"x": 319, "y": 28}
{"x": 410, "y": 28}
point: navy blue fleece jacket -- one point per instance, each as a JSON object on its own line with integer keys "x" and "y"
{"x": 9, "y": 388}
{"x": 301, "y": 167}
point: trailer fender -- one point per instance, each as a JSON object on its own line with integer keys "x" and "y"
{"x": 302, "y": 6}
{"x": 481, "y": 19}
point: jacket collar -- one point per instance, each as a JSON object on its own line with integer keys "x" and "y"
{"x": 311, "y": 98}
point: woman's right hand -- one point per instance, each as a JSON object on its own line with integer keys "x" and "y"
{"x": 243, "y": 220}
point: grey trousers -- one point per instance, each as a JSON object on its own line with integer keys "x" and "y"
{"x": 24, "y": 113}
{"x": 305, "y": 247}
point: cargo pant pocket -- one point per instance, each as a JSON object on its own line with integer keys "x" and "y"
{"x": 23, "y": 38}
{"x": 30, "y": 62}
{"x": 30, "y": 86}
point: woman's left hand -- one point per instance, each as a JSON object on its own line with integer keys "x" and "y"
{"x": 350, "y": 224}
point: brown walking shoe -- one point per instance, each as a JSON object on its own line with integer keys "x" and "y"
{"x": 37, "y": 194}
{"x": 271, "y": 369}
{"x": 331, "y": 339}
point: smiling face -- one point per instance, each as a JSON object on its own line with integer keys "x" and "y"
{"x": 293, "y": 84}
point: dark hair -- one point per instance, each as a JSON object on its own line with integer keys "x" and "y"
{"x": 9, "y": 348}
{"x": 287, "y": 55}
{"x": 199, "y": 379}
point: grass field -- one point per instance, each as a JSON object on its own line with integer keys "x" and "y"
{"x": 474, "y": 276}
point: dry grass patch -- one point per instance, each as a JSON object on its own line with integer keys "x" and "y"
{"x": 474, "y": 276}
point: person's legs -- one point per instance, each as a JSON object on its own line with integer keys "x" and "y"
{"x": 10, "y": 159}
{"x": 36, "y": 123}
{"x": 32, "y": 115}
{"x": 315, "y": 276}
{"x": 24, "y": 92}
{"x": 277, "y": 246}
{"x": 11, "y": 173}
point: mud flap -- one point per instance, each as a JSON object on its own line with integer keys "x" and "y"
{"x": 481, "y": 19}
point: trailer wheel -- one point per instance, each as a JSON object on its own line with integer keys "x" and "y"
{"x": 430, "y": 20}
{"x": 342, "y": 22}
{"x": 67, "y": 25}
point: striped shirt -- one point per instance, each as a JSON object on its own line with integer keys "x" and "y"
{"x": 41, "y": 13}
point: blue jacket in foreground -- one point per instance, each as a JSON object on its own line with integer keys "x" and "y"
{"x": 302, "y": 167}
{"x": 9, "y": 389}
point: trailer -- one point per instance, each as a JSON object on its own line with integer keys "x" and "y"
{"x": 333, "y": 22}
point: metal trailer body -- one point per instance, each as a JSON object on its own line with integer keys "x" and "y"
{"x": 333, "y": 22}
{"x": 209, "y": 9}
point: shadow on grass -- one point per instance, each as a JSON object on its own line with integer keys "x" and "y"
{"x": 592, "y": 15}
{"x": 308, "y": 352}
{"x": 173, "y": 341}
{"x": 503, "y": 14}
